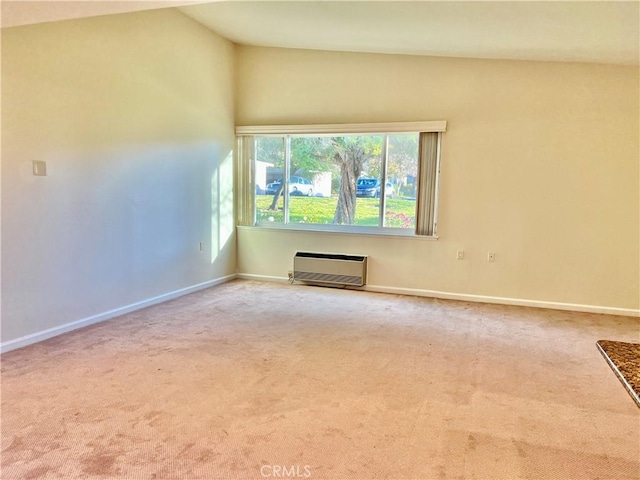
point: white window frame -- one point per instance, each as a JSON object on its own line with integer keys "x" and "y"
{"x": 245, "y": 178}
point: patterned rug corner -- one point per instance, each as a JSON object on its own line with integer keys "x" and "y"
{"x": 624, "y": 360}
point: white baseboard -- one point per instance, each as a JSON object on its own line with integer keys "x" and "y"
{"x": 68, "y": 327}
{"x": 574, "y": 307}
{"x": 628, "y": 312}
{"x": 262, "y": 278}
{"x": 101, "y": 317}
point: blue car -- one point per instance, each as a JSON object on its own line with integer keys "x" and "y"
{"x": 370, "y": 187}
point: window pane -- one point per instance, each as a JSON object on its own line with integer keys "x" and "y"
{"x": 338, "y": 180}
{"x": 368, "y": 186}
{"x": 402, "y": 171}
{"x": 269, "y": 169}
{"x": 310, "y": 185}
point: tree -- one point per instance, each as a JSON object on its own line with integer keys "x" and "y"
{"x": 307, "y": 154}
{"x": 402, "y": 160}
{"x": 350, "y": 154}
{"x": 345, "y": 156}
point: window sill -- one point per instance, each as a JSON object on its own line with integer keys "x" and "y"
{"x": 345, "y": 230}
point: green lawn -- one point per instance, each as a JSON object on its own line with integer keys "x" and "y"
{"x": 317, "y": 210}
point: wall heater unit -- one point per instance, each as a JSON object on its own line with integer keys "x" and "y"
{"x": 330, "y": 269}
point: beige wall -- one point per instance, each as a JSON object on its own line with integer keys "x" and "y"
{"x": 134, "y": 116}
{"x": 540, "y": 165}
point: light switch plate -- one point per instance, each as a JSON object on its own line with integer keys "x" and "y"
{"x": 40, "y": 168}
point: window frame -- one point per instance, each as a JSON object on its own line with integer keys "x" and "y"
{"x": 245, "y": 179}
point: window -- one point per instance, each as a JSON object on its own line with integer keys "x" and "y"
{"x": 359, "y": 178}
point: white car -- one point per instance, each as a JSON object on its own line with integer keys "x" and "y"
{"x": 297, "y": 186}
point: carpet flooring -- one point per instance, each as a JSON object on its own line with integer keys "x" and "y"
{"x": 251, "y": 380}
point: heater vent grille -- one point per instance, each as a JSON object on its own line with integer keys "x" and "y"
{"x": 330, "y": 268}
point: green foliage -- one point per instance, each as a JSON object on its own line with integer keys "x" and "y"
{"x": 309, "y": 154}
{"x": 402, "y": 160}
{"x": 270, "y": 150}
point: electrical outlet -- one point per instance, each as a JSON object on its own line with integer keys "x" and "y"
{"x": 491, "y": 257}
{"x": 202, "y": 246}
{"x": 460, "y": 255}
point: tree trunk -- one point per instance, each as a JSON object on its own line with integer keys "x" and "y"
{"x": 346, "y": 208}
{"x": 274, "y": 202}
{"x": 350, "y": 157}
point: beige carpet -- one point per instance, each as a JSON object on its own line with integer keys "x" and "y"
{"x": 253, "y": 380}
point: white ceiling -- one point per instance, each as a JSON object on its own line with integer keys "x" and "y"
{"x": 603, "y": 32}
{"x": 28, "y": 12}
{"x": 574, "y": 31}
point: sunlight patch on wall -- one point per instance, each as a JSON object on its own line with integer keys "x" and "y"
{"x": 222, "y": 220}
{"x": 215, "y": 214}
{"x": 226, "y": 199}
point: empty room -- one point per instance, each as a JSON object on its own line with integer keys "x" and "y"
{"x": 320, "y": 239}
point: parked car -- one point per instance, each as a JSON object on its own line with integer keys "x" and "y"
{"x": 370, "y": 187}
{"x": 297, "y": 186}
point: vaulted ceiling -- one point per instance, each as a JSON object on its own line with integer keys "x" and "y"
{"x": 573, "y": 31}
